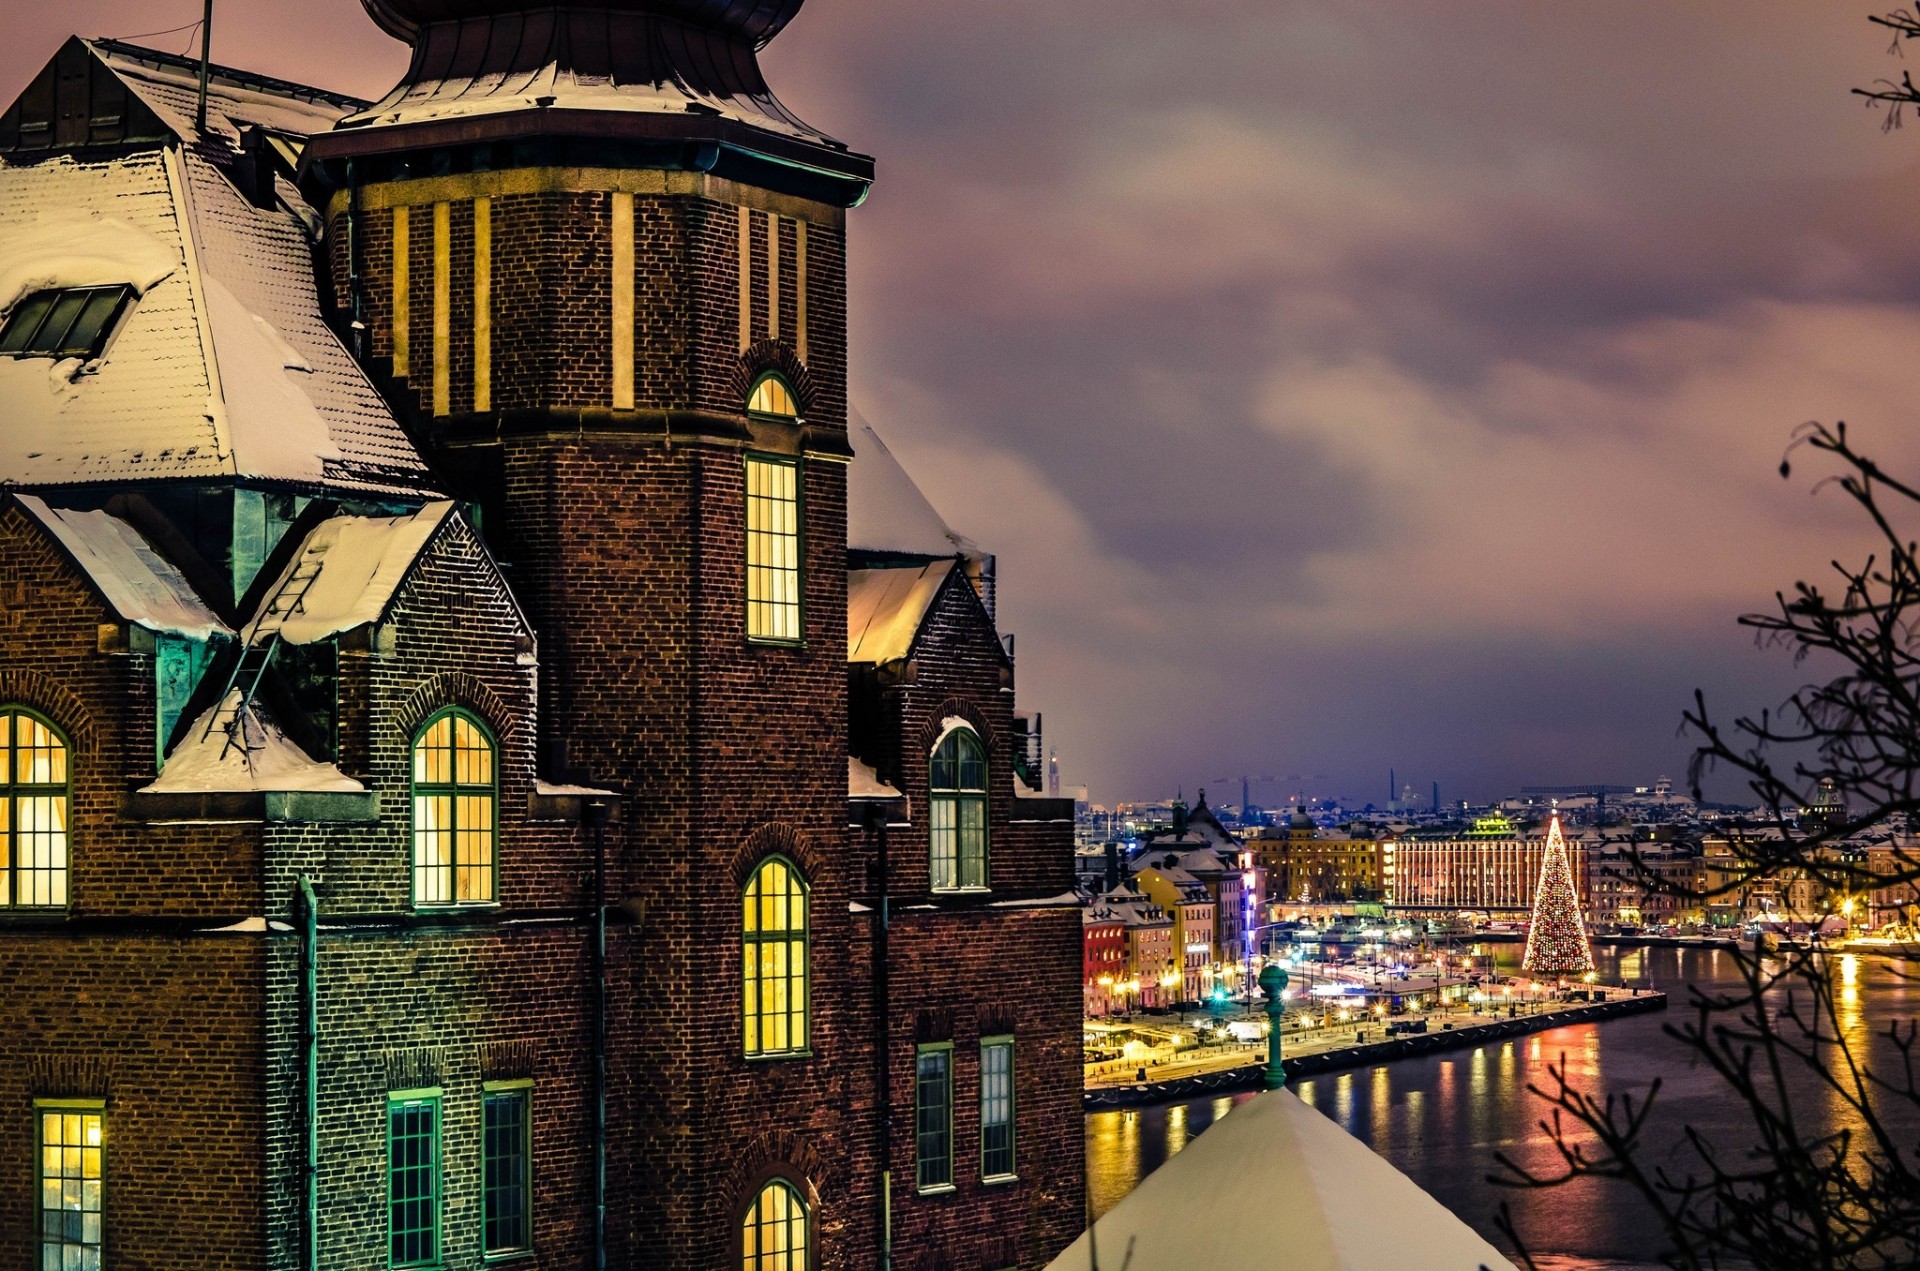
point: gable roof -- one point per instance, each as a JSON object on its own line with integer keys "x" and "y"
{"x": 224, "y": 367}
{"x": 357, "y": 564}
{"x": 886, "y": 511}
{"x": 887, "y": 607}
{"x": 135, "y": 581}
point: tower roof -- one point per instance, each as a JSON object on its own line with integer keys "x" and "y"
{"x": 756, "y": 21}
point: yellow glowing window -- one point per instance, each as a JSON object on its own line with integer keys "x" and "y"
{"x": 957, "y": 813}
{"x": 34, "y": 808}
{"x": 72, "y": 1183}
{"x": 774, "y": 960}
{"x": 773, "y": 1235}
{"x": 771, "y": 396}
{"x": 456, "y": 794}
{"x": 773, "y": 549}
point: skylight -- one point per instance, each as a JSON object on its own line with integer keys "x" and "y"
{"x": 71, "y": 322}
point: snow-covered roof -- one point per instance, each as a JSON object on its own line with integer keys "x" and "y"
{"x": 1303, "y": 1194}
{"x": 224, "y": 367}
{"x": 885, "y": 608}
{"x": 357, "y": 563}
{"x": 169, "y": 86}
{"x": 886, "y": 511}
{"x": 136, "y": 582}
{"x": 204, "y": 762}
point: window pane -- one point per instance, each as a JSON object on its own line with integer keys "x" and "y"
{"x": 34, "y": 812}
{"x": 72, "y": 1187}
{"x": 773, "y": 549}
{"x": 773, "y": 1235}
{"x": 506, "y": 1173}
{"x": 53, "y": 331}
{"x": 455, "y": 807}
{"x": 943, "y": 813}
{"x": 413, "y": 1183}
{"x": 996, "y": 1109}
{"x": 933, "y": 1094}
{"x": 24, "y": 322}
{"x": 90, "y": 329}
{"x": 774, "y": 961}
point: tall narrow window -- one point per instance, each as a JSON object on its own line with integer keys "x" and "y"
{"x": 506, "y": 1169}
{"x": 773, "y": 1235}
{"x": 72, "y": 1183}
{"x": 413, "y": 1178}
{"x": 33, "y": 812}
{"x": 957, "y": 812}
{"x": 933, "y": 1116}
{"x": 773, "y": 549}
{"x": 996, "y": 1108}
{"x": 456, "y": 792}
{"x": 774, "y": 960}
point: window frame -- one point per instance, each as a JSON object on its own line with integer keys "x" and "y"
{"x": 752, "y": 941}
{"x": 749, "y": 1216}
{"x": 923, "y": 1051}
{"x": 959, "y": 798}
{"x": 103, "y": 338}
{"x": 432, "y": 1097}
{"x": 1000, "y": 1041}
{"x": 13, "y": 792}
{"x": 519, "y": 1090}
{"x": 797, "y": 466}
{"x": 786, "y": 386}
{"x": 453, "y": 791}
{"x": 42, "y": 1108}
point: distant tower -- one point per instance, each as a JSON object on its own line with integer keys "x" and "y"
{"x": 1557, "y": 938}
{"x": 1053, "y": 774}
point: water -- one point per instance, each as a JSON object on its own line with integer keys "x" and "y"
{"x": 1442, "y": 1118}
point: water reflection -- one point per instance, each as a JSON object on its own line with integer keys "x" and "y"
{"x": 1442, "y": 1118}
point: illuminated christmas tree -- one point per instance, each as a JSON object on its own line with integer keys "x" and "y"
{"x": 1557, "y": 940}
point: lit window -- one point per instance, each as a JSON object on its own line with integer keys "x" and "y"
{"x": 957, "y": 812}
{"x": 933, "y": 1116}
{"x": 72, "y": 1183}
{"x": 456, "y": 790}
{"x": 506, "y": 1169}
{"x": 33, "y": 812}
{"x": 413, "y": 1179}
{"x": 996, "y": 1108}
{"x": 774, "y": 960}
{"x": 71, "y": 323}
{"x": 772, "y": 396}
{"x": 773, "y": 1235}
{"x": 773, "y": 549}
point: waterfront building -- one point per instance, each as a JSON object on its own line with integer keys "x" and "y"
{"x": 1303, "y": 863}
{"x": 1491, "y": 868}
{"x": 482, "y": 781}
{"x": 1654, "y": 884}
{"x": 1200, "y": 845}
{"x": 1195, "y": 915}
{"x": 1103, "y": 959}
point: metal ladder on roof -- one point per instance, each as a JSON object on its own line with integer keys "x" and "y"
{"x": 258, "y": 647}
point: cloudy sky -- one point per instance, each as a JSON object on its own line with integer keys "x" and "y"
{"x": 1343, "y": 387}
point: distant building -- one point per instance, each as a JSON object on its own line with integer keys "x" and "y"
{"x": 1654, "y": 884}
{"x": 1492, "y": 867}
{"x": 1194, "y": 924}
{"x": 1302, "y": 862}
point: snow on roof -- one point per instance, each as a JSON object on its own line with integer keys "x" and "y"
{"x": 137, "y": 583}
{"x": 886, "y": 511}
{"x": 864, "y": 783}
{"x": 204, "y": 763}
{"x": 1303, "y": 1193}
{"x": 169, "y": 86}
{"x": 885, "y": 608}
{"x": 361, "y": 562}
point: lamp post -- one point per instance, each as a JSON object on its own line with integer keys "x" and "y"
{"x": 1273, "y": 981}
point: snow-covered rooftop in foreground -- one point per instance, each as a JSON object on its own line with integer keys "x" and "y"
{"x": 885, "y": 608}
{"x": 886, "y": 511}
{"x": 268, "y": 762}
{"x": 134, "y": 580}
{"x": 864, "y": 783}
{"x": 1274, "y": 1184}
{"x": 358, "y": 562}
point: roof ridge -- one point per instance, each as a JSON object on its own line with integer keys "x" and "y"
{"x": 159, "y": 59}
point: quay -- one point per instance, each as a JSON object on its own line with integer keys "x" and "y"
{"x": 1238, "y": 1069}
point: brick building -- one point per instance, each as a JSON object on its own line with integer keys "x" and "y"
{"x": 424, "y": 576}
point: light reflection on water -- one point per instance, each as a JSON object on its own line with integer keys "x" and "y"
{"x": 1442, "y": 1118}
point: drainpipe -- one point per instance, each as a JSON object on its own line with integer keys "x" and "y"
{"x": 596, "y": 815}
{"x": 883, "y": 1037}
{"x": 357, "y": 318}
{"x": 310, "y": 1069}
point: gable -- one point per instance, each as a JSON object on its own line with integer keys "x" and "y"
{"x": 76, "y": 102}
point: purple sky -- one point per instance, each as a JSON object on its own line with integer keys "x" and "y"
{"x": 1342, "y": 386}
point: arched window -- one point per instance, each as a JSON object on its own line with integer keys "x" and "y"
{"x": 774, "y": 960}
{"x": 456, "y": 793}
{"x": 957, "y": 812}
{"x": 34, "y": 807}
{"x": 773, "y": 396}
{"x": 773, "y": 1235}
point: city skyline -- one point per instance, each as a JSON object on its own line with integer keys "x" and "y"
{"x": 1442, "y": 436}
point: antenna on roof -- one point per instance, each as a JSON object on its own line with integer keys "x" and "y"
{"x": 206, "y": 68}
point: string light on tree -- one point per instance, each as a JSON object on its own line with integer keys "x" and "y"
{"x": 1557, "y": 939}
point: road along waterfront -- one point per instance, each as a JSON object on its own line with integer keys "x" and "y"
{"x": 1441, "y": 1118}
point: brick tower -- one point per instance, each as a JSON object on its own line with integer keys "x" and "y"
{"x": 601, "y": 269}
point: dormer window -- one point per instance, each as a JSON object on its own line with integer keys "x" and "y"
{"x": 67, "y": 323}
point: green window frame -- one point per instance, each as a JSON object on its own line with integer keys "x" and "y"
{"x": 36, "y": 803}
{"x": 996, "y": 1110}
{"x": 771, "y": 397}
{"x": 774, "y": 550}
{"x": 506, "y": 1168}
{"x": 774, "y": 1234}
{"x": 933, "y": 1116}
{"x": 456, "y": 811}
{"x": 776, "y": 945}
{"x": 71, "y": 1147}
{"x": 957, "y": 813}
{"x": 414, "y": 1184}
